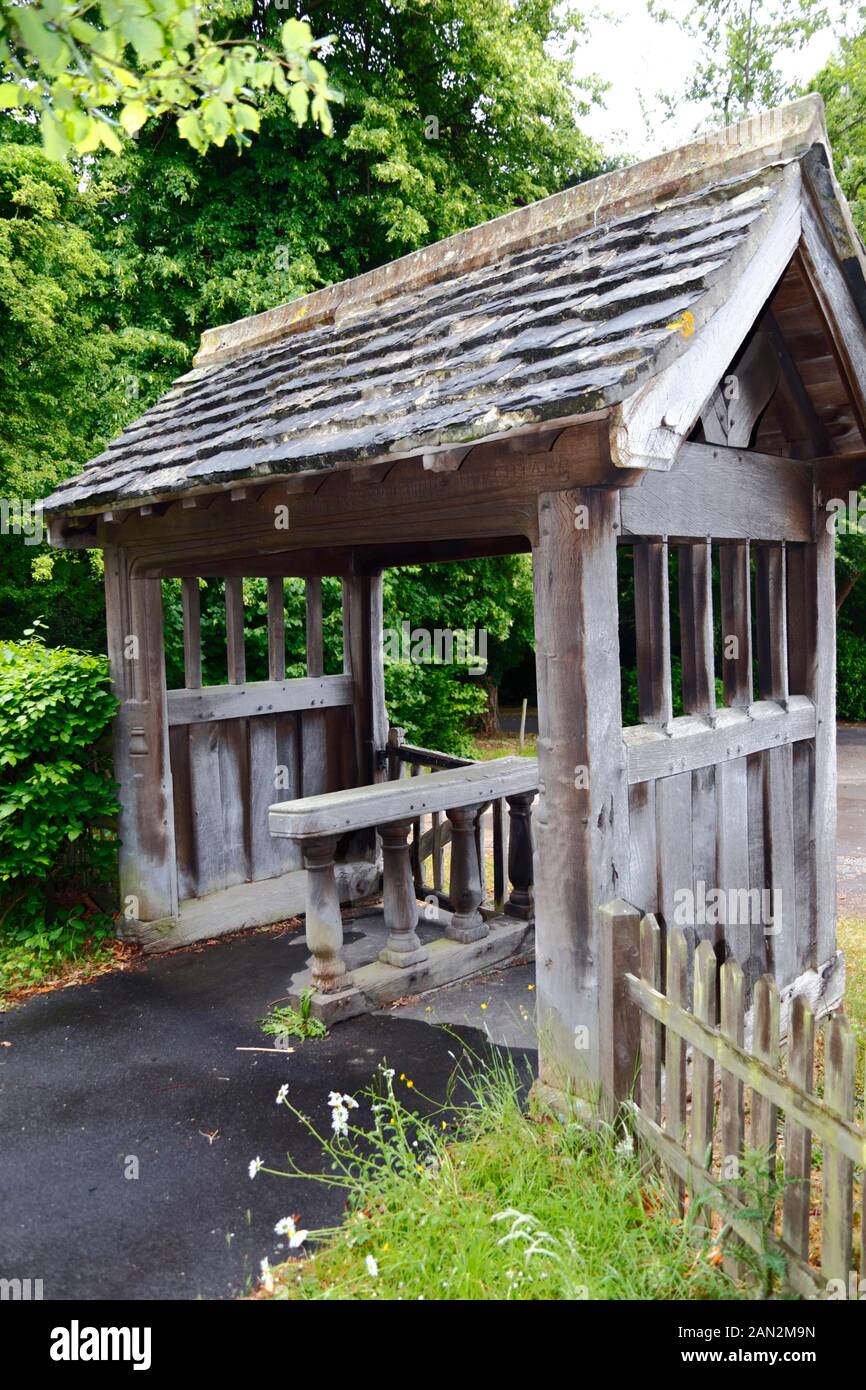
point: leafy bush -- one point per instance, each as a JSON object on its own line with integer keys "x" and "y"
{"x": 435, "y": 704}
{"x": 57, "y": 843}
{"x": 850, "y": 675}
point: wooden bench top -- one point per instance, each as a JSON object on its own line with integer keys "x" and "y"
{"x": 357, "y": 808}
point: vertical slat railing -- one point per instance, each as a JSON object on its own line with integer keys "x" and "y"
{"x": 732, "y": 794}
{"x": 235, "y": 652}
{"x": 675, "y": 1054}
{"x": 765, "y": 1046}
{"x": 838, "y": 1213}
{"x": 733, "y": 1010}
{"x": 703, "y": 1069}
{"x": 276, "y": 628}
{"x": 798, "y": 1139}
{"x": 191, "y": 601}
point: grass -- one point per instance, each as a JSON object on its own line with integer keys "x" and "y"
{"x": 489, "y": 1202}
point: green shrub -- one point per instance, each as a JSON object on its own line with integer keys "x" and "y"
{"x": 434, "y": 703}
{"x": 57, "y": 842}
{"x": 850, "y": 675}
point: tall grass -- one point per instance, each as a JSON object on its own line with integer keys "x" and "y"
{"x": 484, "y": 1200}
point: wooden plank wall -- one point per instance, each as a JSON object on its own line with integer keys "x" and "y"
{"x": 749, "y": 822}
{"x": 226, "y": 772}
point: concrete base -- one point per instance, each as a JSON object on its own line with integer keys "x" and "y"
{"x": 376, "y": 984}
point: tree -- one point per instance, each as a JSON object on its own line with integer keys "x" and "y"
{"x": 741, "y": 41}
{"x": 96, "y": 70}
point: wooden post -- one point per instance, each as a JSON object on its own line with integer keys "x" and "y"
{"x": 580, "y": 823}
{"x": 465, "y": 890}
{"x": 520, "y": 855}
{"x": 400, "y": 905}
{"x": 324, "y": 923}
{"x": 619, "y": 1018}
{"x": 362, "y": 659}
{"x": 148, "y": 865}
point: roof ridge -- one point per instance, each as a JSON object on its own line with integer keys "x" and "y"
{"x": 785, "y": 132}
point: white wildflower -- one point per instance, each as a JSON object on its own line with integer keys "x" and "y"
{"x": 267, "y": 1275}
{"x": 255, "y": 1165}
{"x": 372, "y": 1267}
{"x": 282, "y": 1093}
{"x": 287, "y": 1227}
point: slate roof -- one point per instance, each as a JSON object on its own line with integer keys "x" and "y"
{"x": 547, "y": 313}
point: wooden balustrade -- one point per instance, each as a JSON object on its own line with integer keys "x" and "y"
{"x": 461, "y": 790}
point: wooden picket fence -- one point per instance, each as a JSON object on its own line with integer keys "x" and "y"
{"x": 695, "y": 1144}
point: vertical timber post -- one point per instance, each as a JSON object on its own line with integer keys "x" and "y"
{"x": 580, "y": 823}
{"x": 148, "y": 866}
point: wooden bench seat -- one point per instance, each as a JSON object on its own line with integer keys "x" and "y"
{"x": 316, "y": 823}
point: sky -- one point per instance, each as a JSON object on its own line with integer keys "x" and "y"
{"x": 639, "y": 57}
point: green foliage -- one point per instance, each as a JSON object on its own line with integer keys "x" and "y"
{"x": 56, "y": 798}
{"x": 283, "y": 1021}
{"x": 742, "y": 42}
{"x": 842, "y": 84}
{"x": 435, "y": 704}
{"x": 850, "y": 675}
{"x": 95, "y": 71}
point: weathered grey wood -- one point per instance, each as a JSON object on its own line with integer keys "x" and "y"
{"x": 756, "y": 374}
{"x": 183, "y": 813}
{"x": 779, "y": 849}
{"x": 848, "y": 1138}
{"x": 674, "y": 843}
{"x": 652, "y": 631}
{"x": 803, "y": 427}
{"x": 376, "y": 804}
{"x": 651, "y": 1033}
{"x": 276, "y": 628}
{"x": 235, "y": 652}
{"x": 733, "y": 1010}
{"x": 732, "y": 849}
{"x": 821, "y": 686}
{"x": 314, "y": 733}
{"x": 324, "y": 923}
{"x": 580, "y": 824}
{"x": 758, "y": 870}
{"x": 274, "y": 771}
{"x": 314, "y": 637}
{"x": 234, "y": 778}
{"x": 798, "y": 1139}
{"x": 465, "y": 889}
{"x": 206, "y": 794}
{"x": 735, "y": 594}
{"x": 218, "y": 702}
{"x": 771, "y": 621}
{"x": 643, "y": 865}
{"x": 399, "y": 902}
{"x": 438, "y": 848}
{"x": 520, "y": 855}
{"x": 766, "y": 1048}
{"x": 142, "y": 765}
{"x": 362, "y": 657}
{"x": 729, "y": 494}
{"x": 799, "y": 1276}
{"x": 619, "y": 1041}
{"x": 838, "y": 1212}
{"x": 191, "y": 602}
{"x": 690, "y": 742}
{"x": 696, "y": 627}
{"x": 844, "y": 321}
{"x": 703, "y": 1088}
{"x": 677, "y": 978}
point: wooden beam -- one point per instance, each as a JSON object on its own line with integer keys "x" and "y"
{"x": 690, "y": 742}
{"x": 794, "y": 409}
{"x": 728, "y": 494}
{"x": 215, "y": 702}
{"x": 834, "y": 299}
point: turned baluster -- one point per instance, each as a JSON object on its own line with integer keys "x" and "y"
{"x": 465, "y": 889}
{"x": 324, "y": 923}
{"x": 398, "y": 893}
{"x": 520, "y": 855}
